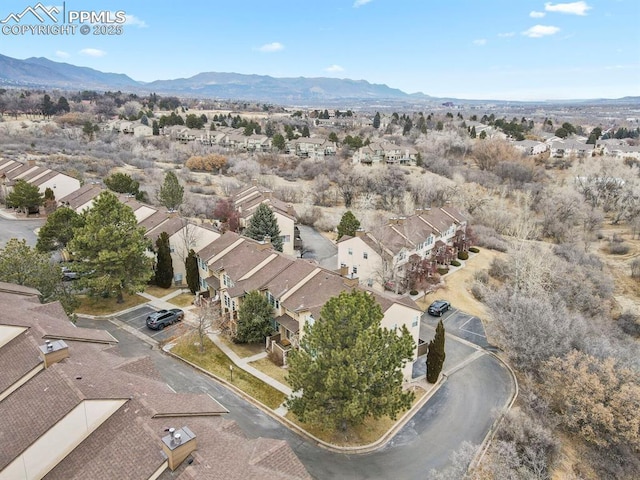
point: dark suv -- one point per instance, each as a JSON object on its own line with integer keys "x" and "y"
{"x": 162, "y": 318}
{"x": 438, "y": 307}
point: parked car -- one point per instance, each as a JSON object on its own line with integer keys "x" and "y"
{"x": 68, "y": 274}
{"x": 438, "y": 307}
{"x": 160, "y": 319}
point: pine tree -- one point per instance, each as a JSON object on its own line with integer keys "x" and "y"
{"x": 112, "y": 249}
{"x": 263, "y": 224}
{"x": 348, "y": 367}
{"x": 155, "y": 127}
{"x": 58, "y": 229}
{"x": 376, "y": 120}
{"x": 193, "y": 277}
{"x": 436, "y": 354}
{"x": 348, "y": 225}
{"x": 171, "y": 192}
{"x": 254, "y": 318}
{"x": 164, "y": 264}
{"x": 25, "y": 196}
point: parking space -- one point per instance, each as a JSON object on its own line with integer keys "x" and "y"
{"x": 137, "y": 319}
{"x": 460, "y": 324}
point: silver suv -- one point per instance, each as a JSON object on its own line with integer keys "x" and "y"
{"x": 162, "y": 318}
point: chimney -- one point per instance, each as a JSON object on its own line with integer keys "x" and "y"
{"x": 344, "y": 270}
{"x": 53, "y": 352}
{"x": 361, "y": 232}
{"x": 351, "y": 280}
{"x": 265, "y": 244}
{"x": 178, "y": 445}
{"x": 268, "y": 194}
{"x": 31, "y": 162}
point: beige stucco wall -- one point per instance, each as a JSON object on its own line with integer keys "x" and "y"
{"x": 62, "y": 185}
{"x": 368, "y": 268}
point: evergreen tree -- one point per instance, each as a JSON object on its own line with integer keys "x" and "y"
{"x": 57, "y": 232}
{"x": 436, "y": 354}
{"x": 63, "y": 105}
{"x": 348, "y": 367}
{"x": 171, "y": 192}
{"x": 155, "y": 127}
{"x": 164, "y": 263}
{"x": 254, "y": 319}
{"x": 263, "y": 224}
{"x": 376, "y": 120}
{"x": 48, "y": 107}
{"x": 278, "y": 142}
{"x": 122, "y": 183}
{"x": 193, "y": 276}
{"x": 305, "y": 131}
{"x": 472, "y": 133}
{"x": 112, "y": 249}
{"x": 348, "y": 225}
{"x": 333, "y": 137}
{"x": 25, "y": 196}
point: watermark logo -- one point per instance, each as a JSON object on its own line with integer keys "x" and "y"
{"x": 63, "y": 21}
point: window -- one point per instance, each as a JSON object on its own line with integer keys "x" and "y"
{"x": 365, "y": 255}
{"x": 172, "y": 248}
{"x": 285, "y": 238}
{"x": 370, "y": 282}
{"x": 350, "y": 251}
{"x": 429, "y": 240}
{"x": 415, "y": 322}
{"x": 354, "y": 269}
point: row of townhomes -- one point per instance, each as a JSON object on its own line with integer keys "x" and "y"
{"x": 183, "y": 235}
{"x": 72, "y": 408}
{"x": 233, "y": 265}
{"x": 385, "y": 152}
{"x": 42, "y": 177}
{"x": 247, "y": 200}
{"x": 383, "y": 260}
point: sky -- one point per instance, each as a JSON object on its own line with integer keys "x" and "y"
{"x": 467, "y": 49}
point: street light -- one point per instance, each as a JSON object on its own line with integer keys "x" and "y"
{"x": 231, "y": 370}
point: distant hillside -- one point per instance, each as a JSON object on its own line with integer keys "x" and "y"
{"x": 41, "y": 72}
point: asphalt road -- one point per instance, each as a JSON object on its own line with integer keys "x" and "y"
{"x": 19, "y": 229}
{"x": 461, "y": 410}
{"x": 460, "y": 324}
{"x": 137, "y": 319}
{"x": 323, "y": 250}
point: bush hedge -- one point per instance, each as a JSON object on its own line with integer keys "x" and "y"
{"x": 455, "y": 263}
{"x": 413, "y": 292}
{"x": 474, "y": 249}
{"x": 463, "y": 255}
{"x": 443, "y": 270}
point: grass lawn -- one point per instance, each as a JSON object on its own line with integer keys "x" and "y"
{"x": 368, "y": 432}
{"x": 267, "y": 367}
{"x": 107, "y": 306}
{"x": 182, "y": 300}
{"x": 216, "y": 362}
{"x": 159, "y": 292}
{"x": 243, "y": 350}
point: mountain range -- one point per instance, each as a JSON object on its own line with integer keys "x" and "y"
{"x": 39, "y": 72}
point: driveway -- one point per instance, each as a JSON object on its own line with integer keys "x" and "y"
{"x": 323, "y": 250}
{"x": 460, "y": 324}
{"x": 137, "y": 319}
{"x": 19, "y": 229}
{"x": 461, "y": 410}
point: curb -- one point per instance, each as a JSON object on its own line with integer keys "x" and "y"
{"x": 302, "y": 432}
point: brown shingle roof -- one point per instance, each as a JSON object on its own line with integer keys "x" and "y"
{"x": 18, "y": 357}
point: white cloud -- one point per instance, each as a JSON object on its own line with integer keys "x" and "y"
{"x": 93, "y": 52}
{"x": 480, "y": 42}
{"x": 535, "y": 14}
{"x": 271, "y": 47}
{"x": 334, "y": 69}
{"x": 135, "y": 21}
{"x": 538, "y": 31}
{"x": 62, "y": 54}
{"x": 359, "y": 3}
{"x": 506, "y": 34}
{"x": 573, "y": 8}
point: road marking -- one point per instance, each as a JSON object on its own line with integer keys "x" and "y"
{"x": 469, "y": 331}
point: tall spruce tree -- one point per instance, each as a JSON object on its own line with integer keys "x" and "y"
{"x": 171, "y": 192}
{"x": 193, "y": 277}
{"x": 25, "y": 196}
{"x": 254, "y": 318}
{"x": 263, "y": 224}
{"x": 348, "y": 225}
{"x": 376, "y": 120}
{"x": 436, "y": 354}
{"x": 348, "y": 367}
{"x": 164, "y": 264}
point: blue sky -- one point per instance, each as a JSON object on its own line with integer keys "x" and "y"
{"x": 506, "y": 49}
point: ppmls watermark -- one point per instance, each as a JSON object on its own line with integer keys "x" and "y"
{"x": 41, "y": 20}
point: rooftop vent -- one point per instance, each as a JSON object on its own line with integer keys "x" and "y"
{"x": 53, "y": 352}
{"x": 178, "y": 445}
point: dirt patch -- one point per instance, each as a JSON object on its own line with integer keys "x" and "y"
{"x": 457, "y": 289}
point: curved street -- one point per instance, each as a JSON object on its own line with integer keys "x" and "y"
{"x": 463, "y": 409}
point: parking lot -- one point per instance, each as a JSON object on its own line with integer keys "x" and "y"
{"x": 137, "y": 319}
{"x": 460, "y": 324}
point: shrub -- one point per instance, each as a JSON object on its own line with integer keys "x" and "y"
{"x": 443, "y": 270}
{"x": 618, "y": 248}
{"x": 455, "y": 263}
{"x": 477, "y": 290}
{"x": 473, "y": 250}
{"x": 635, "y": 268}
{"x": 413, "y": 292}
{"x": 463, "y": 255}
{"x": 628, "y": 323}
